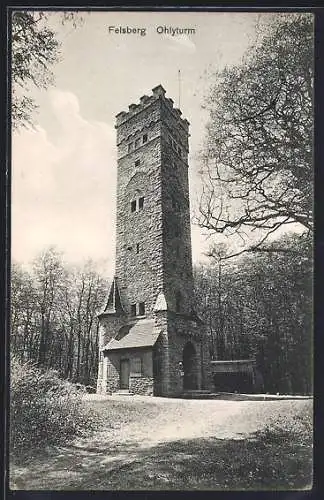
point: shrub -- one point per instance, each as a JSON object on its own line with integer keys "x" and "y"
{"x": 44, "y": 409}
{"x": 298, "y": 428}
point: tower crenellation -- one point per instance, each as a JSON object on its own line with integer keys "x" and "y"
{"x": 158, "y": 93}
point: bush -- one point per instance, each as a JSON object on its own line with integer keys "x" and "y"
{"x": 297, "y": 428}
{"x": 44, "y": 409}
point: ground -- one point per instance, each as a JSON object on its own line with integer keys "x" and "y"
{"x": 156, "y": 443}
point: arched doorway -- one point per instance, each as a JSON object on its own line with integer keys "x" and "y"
{"x": 190, "y": 369}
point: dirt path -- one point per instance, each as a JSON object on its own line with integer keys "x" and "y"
{"x": 178, "y": 419}
{"x": 140, "y": 427}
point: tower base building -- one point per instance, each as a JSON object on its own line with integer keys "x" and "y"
{"x": 151, "y": 341}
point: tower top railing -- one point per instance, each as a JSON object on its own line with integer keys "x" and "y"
{"x": 158, "y": 92}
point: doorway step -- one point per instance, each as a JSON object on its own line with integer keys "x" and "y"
{"x": 123, "y": 392}
{"x": 197, "y": 394}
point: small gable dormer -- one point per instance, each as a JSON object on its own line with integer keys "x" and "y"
{"x": 114, "y": 304}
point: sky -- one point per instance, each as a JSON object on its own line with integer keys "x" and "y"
{"x": 64, "y": 169}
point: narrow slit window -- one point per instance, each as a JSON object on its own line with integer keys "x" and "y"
{"x": 144, "y": 138}
{"x": 133, "y": 206}
{"x": 137, "y": 248}
{"x": 141, "y": 308}
{"x": 174, "y": 204}
{"x": 141, "y": 203}
{"x": 133, "y": 309}
{"x": 178, "y": 302}
{"x": 176, "y": 229}
{"x": 137, "y": 163}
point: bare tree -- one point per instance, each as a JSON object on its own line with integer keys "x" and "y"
{"x": 257, "y": 161}
{"x": 23, "y": 312}
{"x": 48, "y": 273}
{"x": 54, "y": 310}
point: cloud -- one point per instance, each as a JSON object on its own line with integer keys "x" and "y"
{"x": 63, "y": 192}
{"x": 182, "y": 42}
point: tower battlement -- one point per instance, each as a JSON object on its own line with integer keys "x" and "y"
{"x": 158, "y": 93}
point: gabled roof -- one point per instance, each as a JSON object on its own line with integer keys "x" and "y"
{"x": 140, "y": 334}
{"x": 114, "y": 304}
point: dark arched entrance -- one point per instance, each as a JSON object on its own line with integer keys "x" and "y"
{"x": 190, "y": 369}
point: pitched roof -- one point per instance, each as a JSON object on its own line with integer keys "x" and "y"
{"x": 140, "y": 334}
{"x": 114, "y": 304}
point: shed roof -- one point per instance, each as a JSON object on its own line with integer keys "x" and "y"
{"x": 140, "y": 334}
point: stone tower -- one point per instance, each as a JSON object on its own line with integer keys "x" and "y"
{"x": 151, "y": 340}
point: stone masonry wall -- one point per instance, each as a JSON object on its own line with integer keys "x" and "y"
{"x": 138, "y": 383}
{"x": 139, "y": 269}
{"x": 177, "y": 344}
{"x": 110, "y": 379}
{"x": 177, "y": 258}
{"x": 109, "y": 325}
{"x": 142, "y": 385}
{"x": 161, "y": 355}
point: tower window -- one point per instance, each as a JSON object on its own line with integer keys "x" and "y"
{"x": 137, "y": 163}
{"x": 133, "y": 206}
{"x": 178, "y": 302}
{"x": 144, "y": 138}
{"x": 137, "y": 248}
{"x": 141, "y": 308}
{"x": 133, "y": 309}
{"x": 141, "y": 203}
{"x": 175, "y": 228}
{"x": 175, "y": 205}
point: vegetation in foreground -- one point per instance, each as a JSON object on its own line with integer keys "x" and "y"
{"x": 278, "y": 456}
{"x": 44, "y": 409}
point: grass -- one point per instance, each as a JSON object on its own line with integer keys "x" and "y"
{"x": 276, "y": 457}
{"x": 213, "y": 464}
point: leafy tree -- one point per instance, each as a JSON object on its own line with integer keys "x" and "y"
{"x": 257, "y": 161}
{"x": 34, "y": 49}
{"x": 262, "y": 308}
